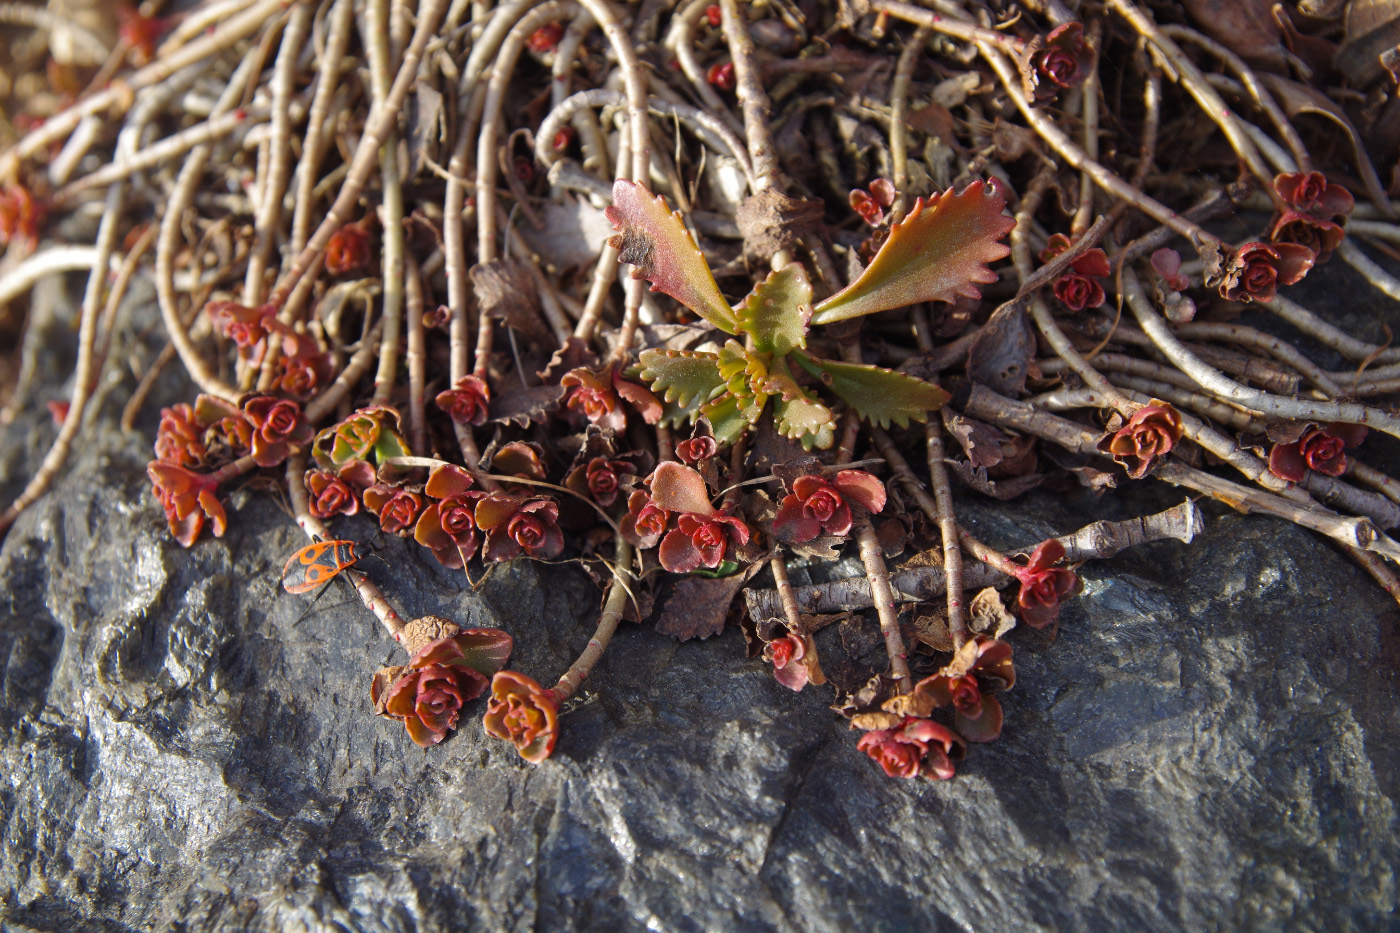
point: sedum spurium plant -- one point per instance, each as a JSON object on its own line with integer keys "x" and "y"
{"x": 939, "y": 252}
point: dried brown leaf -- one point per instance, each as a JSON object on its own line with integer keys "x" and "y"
{"x": 1000, "y": 357}
{"x": 976, "y": 478}
{"x": 699, "y": 606}
{"x": 987, "y": 614}
{"x": 505, "y": 290}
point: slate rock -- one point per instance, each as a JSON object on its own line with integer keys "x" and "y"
{"x": 1211, "y": 740}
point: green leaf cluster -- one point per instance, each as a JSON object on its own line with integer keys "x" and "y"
{"x": 938, "y": 252}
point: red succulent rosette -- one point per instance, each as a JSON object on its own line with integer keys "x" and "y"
{"x": 180, "y": 437}
{"x": 1312, "y": 193}
{"x": 517, "y": 525}
{"x": 348, "y": 250}
{"x": 1302, "y": 229}
{"x": 1256, "y": 270}
{"x": 1148, "y": 435}
{"x": 1166, "y": 262}
{"x": 189, "y": 499}
{"x": 1079, "y": 287}
{"x": 645, "y": 521}
{"x": 427, "y": 695}
{"x": 721, "y": 75}
{"x": 338, "y": 493}
{"x": 700, "y": 540}
{"x": 468, "y": 401}
{"x": 870, "y": 204}
{"x": 1319, "y": 448}
{"x": 278, "y": 426}
{"x": 524, "y": 713}
{"x": 448, "y": 524}
{"x": 545, "y": 38}
{"x": 593, "y": 396}
{"x": 914, "y": 747}
{"x": 600, "y": 479}
{"x": 794, "y": 660}
{"x": 304, "y": 375}
{"x": 243, "y": 325}
{"x": 696, "y": 449}
{"x": 818, "y": 506}
{"x": 1065, "y": 59}
{"x": 20, "y": 215}
{"x": 397, "y": 509}
{"x": 1044, "y": 585}
{"x": 980, "y": 669}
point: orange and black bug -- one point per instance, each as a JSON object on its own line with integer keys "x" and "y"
{"x": 316, "y": 564}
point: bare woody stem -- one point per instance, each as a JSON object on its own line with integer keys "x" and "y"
{"x": 878, "y": 576}
{"x": 783, "y": 584}
{"x": 753, "y": 99}
{"x": 607, "y": 625}
{"x": 1353, "y": 532}
{"x": 938, "y": 509}
{"x": 925, "y": 584}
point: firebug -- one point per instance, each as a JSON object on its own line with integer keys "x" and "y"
{"x": 316, "y": 564}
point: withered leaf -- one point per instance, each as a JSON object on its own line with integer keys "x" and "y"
{"x": 1245, "y": 27}
{"x": 383, "y": 679}
{"x": 1372, "y": 28}
{"x": 1297, "y": 99}
{"x": 574, "y": 354}
{"x": 979, "y": 440}
{"x": 868, "y": 698}
{"x": 876, "y": 720}
{"x": 572, "y": 234}
{"x": 932, "y": 630}
{"x": 770, "y": 221}
{"x": 699, "y": 606}
{"x": 976, "y": 478}
{"x": 1000, "y": 357}
{"x": 523, "y": 406}
{"x": 505, "y": 290}
{"x": 987, "y": 614}
{"x": 859, "y": 635}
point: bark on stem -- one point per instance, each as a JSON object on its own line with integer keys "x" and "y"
{"x": 607, "y": 625}
{"x": 878, "y": 576}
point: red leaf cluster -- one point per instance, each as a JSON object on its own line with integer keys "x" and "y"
{"x": 524, "y": 713}
{"x": 1320, "y": 448}
{"x": 1044, "y": 585}
{"x": 1148, "y": 435}
{"x": 818, "y": 506}
{"x": 1079, "y": 287}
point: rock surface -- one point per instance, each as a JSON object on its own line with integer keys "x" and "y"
{"x": 1212, "y": 741}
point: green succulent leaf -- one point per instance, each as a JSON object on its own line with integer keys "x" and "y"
{"x": 729, "y": 418}
{"x": 798, "y": 414}
{"x": 685, "y": 380}
{"x": 653, "y": 239}
{"x": 880, "y": 396}
{"x": 938, "y": 253}
{"x": 745, "y": 375}
{"x": 776, "y": 312}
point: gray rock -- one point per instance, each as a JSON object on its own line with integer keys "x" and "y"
{"x": 1209, "y": 742}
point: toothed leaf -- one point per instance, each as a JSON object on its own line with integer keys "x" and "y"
{"x": 776, "y": 312}
{"x": 880, "y": 396}
{"x": 684, "y": 379}
{"x": 938, "y": 253}
{"x": 744, "y": 374}
{"x": 797, "y": 414}
{"x": 653, "y": 239}
{"x": 727, "y": 420}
